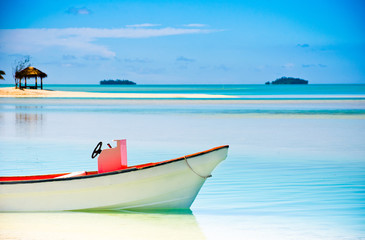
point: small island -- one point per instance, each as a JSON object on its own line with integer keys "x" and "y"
{"x": 288, "y": 80}
{"x": 117, "y": 82}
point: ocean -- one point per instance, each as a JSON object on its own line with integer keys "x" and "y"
{"x": 241, "y": 91}
{"x": 295, "y": 167}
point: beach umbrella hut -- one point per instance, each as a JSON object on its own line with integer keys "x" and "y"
{"x": 29, "y": 72}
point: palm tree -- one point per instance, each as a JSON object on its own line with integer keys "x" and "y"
{"x": 1, "y": 74}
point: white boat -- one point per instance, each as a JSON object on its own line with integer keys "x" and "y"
{"x": 171, "y": 184}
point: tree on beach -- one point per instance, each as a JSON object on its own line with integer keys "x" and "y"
{"x": 1, "y": 74}
{"x": 19, "y": 64}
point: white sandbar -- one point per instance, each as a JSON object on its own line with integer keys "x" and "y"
{"x": 12, "y": 92}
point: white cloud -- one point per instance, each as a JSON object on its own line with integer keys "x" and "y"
{"x": 305, "y": 45}
{"x": 137, "y": 60}
{"x": 184, "y": 59}
{"x": 143, "y": 25}
{"x": 28, "y": 41}
{"x": 198, "y": 25}
{"x": 78, "y": 11}
{"x": 288, "y": 65}
{"x": 314, "y": 65}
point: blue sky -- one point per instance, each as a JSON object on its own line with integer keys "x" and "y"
{"x": 186, "y": 42}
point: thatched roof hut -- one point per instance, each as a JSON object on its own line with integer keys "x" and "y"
{"x": 29, "y": 72}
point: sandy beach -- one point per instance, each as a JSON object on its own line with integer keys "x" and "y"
{"x": 12, "y": 92}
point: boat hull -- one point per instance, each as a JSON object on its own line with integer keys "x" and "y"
{"x": 168, "y": 185}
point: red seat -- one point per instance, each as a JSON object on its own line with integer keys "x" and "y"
{"x": 113, "y": 159}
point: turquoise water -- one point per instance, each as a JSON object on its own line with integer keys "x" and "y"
{"x": 237, "y": 90}
{"x": 223, "y": 89}
{"x": 295, "y": 169}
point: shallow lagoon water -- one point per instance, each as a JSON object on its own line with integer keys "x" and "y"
{"x": 295, "y": 169}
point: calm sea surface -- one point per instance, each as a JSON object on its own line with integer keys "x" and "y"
{"x": 237, "y": 90}
{"x": 295, "y": 168}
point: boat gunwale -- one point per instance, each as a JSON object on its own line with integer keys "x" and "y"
{"x": 130, "y": 169}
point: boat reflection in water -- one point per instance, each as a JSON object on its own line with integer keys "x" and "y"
{"x": 100, "y": 225}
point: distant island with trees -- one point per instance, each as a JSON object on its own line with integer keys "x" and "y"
{"x": 288, "y": 80}
{"x": 117, "y": 82}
